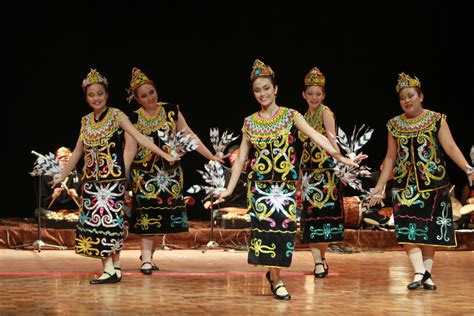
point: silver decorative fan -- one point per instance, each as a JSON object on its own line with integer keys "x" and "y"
{"x": 219, "y": 143}
{"x": 352, "y": 146}
{"x": 178, "y": 142}
{"x": 46, "y": 165}
{"x": 213, "y": 176}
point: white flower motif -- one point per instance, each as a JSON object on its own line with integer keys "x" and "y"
{"x": 103, "y": 203}
{"x": 277, "y": 199}
{"x": 162, "y": 181}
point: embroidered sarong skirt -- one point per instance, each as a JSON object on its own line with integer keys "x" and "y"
{"x": 424, "y": 218}
{"x": 273, "y": 223}
{"x": 100, "y": 231}
{"x": 322, "y": 217}
{"x": 158, "y": 202}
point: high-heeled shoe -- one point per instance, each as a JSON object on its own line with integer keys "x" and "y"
{"x": 325, "y": 267}
{"x": 119, "y": 278}
{"x": 414, "y": 285}
{"x": 267, "y": 275}
{"x": 111, "y": 279}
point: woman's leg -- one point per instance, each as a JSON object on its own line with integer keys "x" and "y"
{"x": 428, "y": 256}
{"x": 319, "y": 251}
{"x": 116, "y": 263}
{"x": 108, "y": 266}
{"x": 278, "y": 286}
{"x": 147, "y": 248}
{"x": 416, "y": 259}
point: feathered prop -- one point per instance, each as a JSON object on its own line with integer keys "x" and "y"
{"x": 356, "y": 142}
{"x": 214, "y": 176}
{"x": 220, "y": 143}
{"x": 179, "y": 142}
{"x": 46, "y": 165}
{"x": 352, "y": 146}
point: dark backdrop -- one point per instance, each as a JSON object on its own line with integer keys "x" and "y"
{"x": 202, "y": 59}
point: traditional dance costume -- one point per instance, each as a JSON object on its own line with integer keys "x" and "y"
{"x": 422, "y": 208}
{"x": 322, "y": 217}
{"x": 272, "y": 190}
{"x": 100, "y": 231}
{"x": 158, "y": 203}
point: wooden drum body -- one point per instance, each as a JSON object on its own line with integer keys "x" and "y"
{"x": 352, "y": 212}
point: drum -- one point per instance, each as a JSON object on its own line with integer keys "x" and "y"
{"x": 352, "y": 212}
{"x": 456, "y": 205}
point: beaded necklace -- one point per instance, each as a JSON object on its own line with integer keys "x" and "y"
{"x": 93, "y": 133}
{"x": 314, "y": 118}
{"x": 148, "y": 125}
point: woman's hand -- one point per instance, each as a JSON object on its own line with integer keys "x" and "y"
{"x": 222, "y": 195}
{"x": 170, "y": 158}
{"x": 376, "y": 196}
{"x": 360, "y": 157}
{"x": 346, "y": 161}
{"x": 217, "y": 158}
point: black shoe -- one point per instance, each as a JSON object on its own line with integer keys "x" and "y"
{"x": 427, "y": 286}
{"x": 417, "y": 284}
{"x": 325, "y": 267}
{"x": 430, "y": 287}
{"x": 154, "y": 267}
{"x": 111, "y": 279}
{"x": 146, "y": 271}
{"x": 118, "y": 277}
{"x": 267, "y": 275}
{"x": 285, "y": 297}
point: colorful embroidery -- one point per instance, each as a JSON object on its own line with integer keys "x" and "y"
{"x": 274, "y": 142}
{"x": 419, "y": 157}
{"x": 97, "y": 134}
{"x": 257, "y": 247}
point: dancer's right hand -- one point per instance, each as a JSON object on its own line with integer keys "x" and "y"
{"x": 376, "y": 196}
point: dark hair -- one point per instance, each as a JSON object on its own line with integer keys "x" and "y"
{"x": 419, "y": 91}
{"x": 272, "y": 79}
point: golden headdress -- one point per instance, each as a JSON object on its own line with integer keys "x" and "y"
{"x": 94, "y": 77}
{"x": 138, "y": 78}
{"x": 405, "y": 81}
{"x": 260, "y": 69}
{"x": 315, "y": 78}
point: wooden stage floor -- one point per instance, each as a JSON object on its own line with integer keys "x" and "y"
{"x": 220, "y": 282}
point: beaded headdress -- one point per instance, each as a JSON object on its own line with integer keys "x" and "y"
{"x": 315, "y": 78}
{"x": 138, "y": 78}
{"x": 260, "y": 69}
{"x": 405, "y": 81}
{"x": 94, "y": 77}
